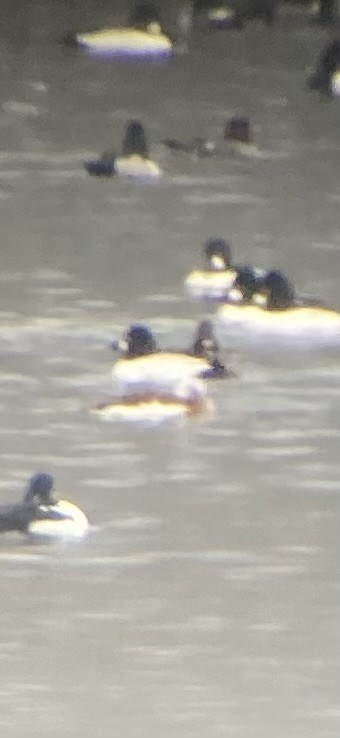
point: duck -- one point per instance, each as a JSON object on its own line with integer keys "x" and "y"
{"x": 189, "y": 400}
{"x": 217, "y": 276}
{"x": 326, "y": 77}
{"x": 142, "y": 364}
{"x": 142, "y": 37}
{"x": 41, "y": 516}
{"x": 237, "y": 138}
{"x": 134, "y": 160}
{"x": 268, "y": 305}
{"x": 233, "y": 14}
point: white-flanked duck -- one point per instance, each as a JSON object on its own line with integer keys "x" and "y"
{"x": 134, "y": 160}
{"x": 40, "y": 516}
{"x": 142, "y": 37}
{"x": 145, "y": 366}
{"x": 267, "y": 304}
{"x": 217, "y": 275}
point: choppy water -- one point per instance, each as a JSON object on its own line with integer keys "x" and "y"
{"x": 206, "y": 602}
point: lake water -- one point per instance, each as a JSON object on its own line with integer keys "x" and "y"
{"x": 206, "y": 601}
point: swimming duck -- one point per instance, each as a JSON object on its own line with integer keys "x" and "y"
{"x": 189, "y": 400}
{"x": 41, "y": 516}
{"x": 238, "y": 137}
{"x": 217, "y": 276}
{"x": 142, "y": 37}
{"x": 144, "y": 365}
{"x": 134, "y": 160}
{"x": 326, "y": 77}
{"x": 271, "y": 290}
{"x": 267, "y": 305}
{"x": 230, "y": 14}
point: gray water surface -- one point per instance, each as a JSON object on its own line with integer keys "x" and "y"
{"x": 205, "y": 602}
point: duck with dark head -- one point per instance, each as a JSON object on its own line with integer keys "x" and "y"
{"x": 213, "y": 281}
{"x": 142, "y": 363}
{"x": 134, "y": 160}
{"x": 206, "y": 346}
{"x": 41, "y": 516}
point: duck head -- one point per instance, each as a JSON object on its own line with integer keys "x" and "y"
{"x": 217, "y": 253}
{"x": 245, "y": 283}
{"x": 138, "y": 340}
{"x": 145, "y": 17}
{"x": 134, "y": 141}
{"x": 40, "y": 490}
{"x": 238, "y": 129}
{"x": 278, "y": 290}
{"x": 205, "y": 343}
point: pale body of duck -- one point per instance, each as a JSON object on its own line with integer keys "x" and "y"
{"x": 151, "y": 408}
{"x": 125, "y": 42}
{"x": 217, "y": 276}
{"x": 268, "y": 306}
{"x": 142, "y": 37}
{"x": 73, "y": 524}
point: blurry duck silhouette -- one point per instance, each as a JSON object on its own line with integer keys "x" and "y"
{"x": 134, "y": 160}
{"x": 237, "y": 137}
{"x": 326, "y": 77}
{"x": 41, "y": 516}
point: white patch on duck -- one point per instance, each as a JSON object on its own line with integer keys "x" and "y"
{"x": 159, "y": 370}
{"x": 310, "y": 322}
{"x": 151, "y": 408}
{"x": 137, "y": 166}
{"x": 127, "y": 41}
{"x": 235, "y": 297}
{"x": 210, "y": 285}
{"x": 73, "y": 527}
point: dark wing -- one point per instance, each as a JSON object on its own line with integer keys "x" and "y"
{"x": 16, "y": 517}
{"x": 50, "y": 513}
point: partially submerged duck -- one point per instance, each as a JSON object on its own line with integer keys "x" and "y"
{"x": 217, "y": 275}
{"x": 134, "y": 160}
{"x": 41, "y": 516}
{"x": 143, "y": 364}
{"x": 268, "y": 305}
{"x": 326, "y": 77}
{"x": 143, "y": 37}
{"x": 233, "y": 14}
{"x": 271, "y": 290}
{"x": 238, "y": 137}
